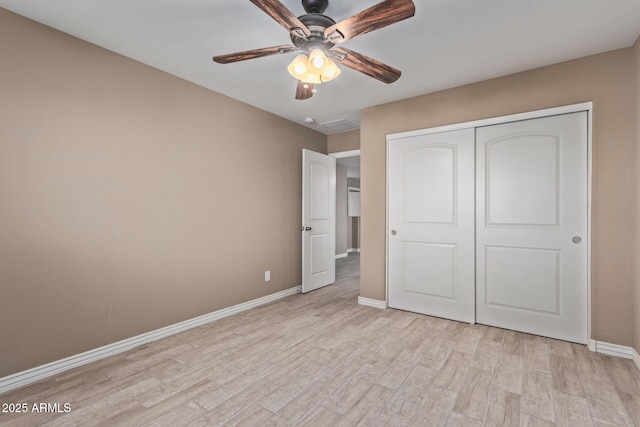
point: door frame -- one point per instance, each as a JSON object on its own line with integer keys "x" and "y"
{"x": 535, "y": 114}
{"x": 342, "y": 155}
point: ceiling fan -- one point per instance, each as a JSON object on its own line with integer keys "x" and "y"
{"x": 319, "y": 39}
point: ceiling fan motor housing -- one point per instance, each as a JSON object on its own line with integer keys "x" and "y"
{"x": 315, "y": 6}
{"x": 316, "y": 23}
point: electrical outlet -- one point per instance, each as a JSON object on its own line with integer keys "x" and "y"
{"x": 267, "y": 275}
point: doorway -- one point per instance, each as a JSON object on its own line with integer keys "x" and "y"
{"x": 347, "y": 209}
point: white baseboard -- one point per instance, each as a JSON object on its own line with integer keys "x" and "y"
{"x": 44, "y": 371}
{"x": 375, "y": 303}
{"x": 616, "y": 350}
{"x": 353, "y": 250}
{"x": 343, "y": 255}
{"x": 636, "y": 358}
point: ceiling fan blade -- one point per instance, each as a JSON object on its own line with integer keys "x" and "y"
{"x": 303, "y": 92}
{"x": 280, "y": 13}
{"x": 382, "y": 14}
{"x": 366, "y": 65}
{"x": 251, "y": 54}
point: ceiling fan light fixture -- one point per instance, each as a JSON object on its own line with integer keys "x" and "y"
{"x": 307, "y": 69}
{"x": 298, "y": 67}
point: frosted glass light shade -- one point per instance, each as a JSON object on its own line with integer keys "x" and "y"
{"x": 311, "y": 78}
{"x": 298, "y": 67}
{"x": 330, "y": 72}
{"x": 317, "y": 61}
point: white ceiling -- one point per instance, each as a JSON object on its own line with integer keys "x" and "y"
{"x": 447, "y": 43}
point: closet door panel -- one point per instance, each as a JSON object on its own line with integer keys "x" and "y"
{"x": 531, "y": 226}
{"x": 522, "y": 180}
{"x": 430, "y": 224}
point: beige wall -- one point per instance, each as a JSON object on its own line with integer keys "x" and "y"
{"x": 345, "y": 141}
{"x": 636, "y": 257}
{"x": 605, "y": 79}
{"x": 131, "y": 199}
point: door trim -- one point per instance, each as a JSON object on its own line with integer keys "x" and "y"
{"x": 536, "y": 114}
{"x": 342, "y": 154}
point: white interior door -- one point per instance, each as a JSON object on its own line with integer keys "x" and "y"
{"x": 318, "y": 220}
{"x": 531, "y": 226}
{"x": 431, "y": 219}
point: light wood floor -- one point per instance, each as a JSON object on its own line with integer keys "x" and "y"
{"x": 321, "y": 359}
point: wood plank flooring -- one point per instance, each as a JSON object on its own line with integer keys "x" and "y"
{"x": 321, "y": 359}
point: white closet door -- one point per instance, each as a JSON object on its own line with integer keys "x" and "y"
{"x": 531, "y": 226}
{"x": 430, "y": 240}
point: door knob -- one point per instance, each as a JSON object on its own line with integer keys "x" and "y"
{"x": 305, "y": 228}
{"x": 394, "y": 232}
{"x": 576, "y": 239}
